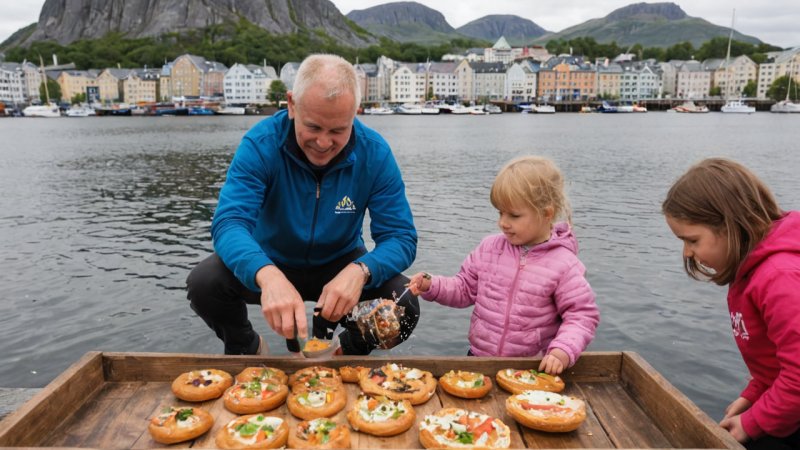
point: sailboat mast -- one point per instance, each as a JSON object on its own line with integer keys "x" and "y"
{"x": 44, "y": 79}
{"x": 728, "y": 59}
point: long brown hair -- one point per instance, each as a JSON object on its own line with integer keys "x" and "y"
{"x": 727, "y": 197}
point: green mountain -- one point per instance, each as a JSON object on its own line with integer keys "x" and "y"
{"x": 518, "y": 31}
{"x": 405, "y": 22}
{"x": 649, "y": 24}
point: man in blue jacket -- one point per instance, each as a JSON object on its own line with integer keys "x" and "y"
{"x": 288, "y": 226}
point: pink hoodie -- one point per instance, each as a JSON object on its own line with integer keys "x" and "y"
{"x": 525, "y": 304}
{"x": 764, "y": 303}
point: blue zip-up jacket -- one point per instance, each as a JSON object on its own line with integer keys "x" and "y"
{"x": 271, "y": 208}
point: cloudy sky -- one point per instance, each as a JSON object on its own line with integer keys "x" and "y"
{"x": 774, "y": 21}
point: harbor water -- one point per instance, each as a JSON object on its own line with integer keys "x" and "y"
{"x": 102, "y": 218}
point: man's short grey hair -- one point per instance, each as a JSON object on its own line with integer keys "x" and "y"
{"x": 332, "y": 72}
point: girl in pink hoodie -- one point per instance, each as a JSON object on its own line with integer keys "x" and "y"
{"x": 735, "y": 234}
{"x": 527, "y": 284}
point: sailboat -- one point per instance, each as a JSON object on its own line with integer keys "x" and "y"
{"x": 733, "y": 106}
{"x": 46, "y": 110}
{"x": 787, "y": 106}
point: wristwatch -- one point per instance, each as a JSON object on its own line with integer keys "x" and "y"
{"x": 365, "y": 269}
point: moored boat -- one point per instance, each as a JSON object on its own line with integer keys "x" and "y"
{"x": 231, "y": 111}
{"x": 49, "y": 110}
{"x": 690, "y": 107}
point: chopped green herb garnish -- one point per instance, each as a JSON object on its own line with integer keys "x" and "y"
{"x": 464, "y": 437}
{"x": 184, "y": 414}
{"x": 247, "y": 429}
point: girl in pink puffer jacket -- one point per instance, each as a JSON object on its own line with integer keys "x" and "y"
{"x": 527, "y": 284}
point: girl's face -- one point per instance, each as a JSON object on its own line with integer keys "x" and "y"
{"x": 523, "y": 226}
{"x": 701, "y": 243}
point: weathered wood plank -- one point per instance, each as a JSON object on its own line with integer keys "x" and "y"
{"x": 680, "y": 420}
{"x": 624, "y": 422}
{"x": 599, "y": 366}
{"x": 61, "y": 398}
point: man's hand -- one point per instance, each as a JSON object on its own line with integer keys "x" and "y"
{"x": 281, "y": 304}
{"x": 341, "y": 294}
{"x": 554, "y": 362}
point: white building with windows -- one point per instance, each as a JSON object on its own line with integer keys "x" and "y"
{"x": 692, "y": 80}
{"x": 520, "y": 83}
{"x": 405, "y": 86}
{"x": 640, "y": 81}
{"x": 248, "y": 84}
{"x": 444, "y": 81}
{"x": 732, "y": 77}
{"x": 490, "y": 81}
{"x": 12, "y": 84}
{"x": 778, "y": 64}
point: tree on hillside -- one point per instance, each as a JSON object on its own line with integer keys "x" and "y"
{"x": 750, "y": 89}
{"x": 277, "y": 91}
{"x": 777, "y": 90}
{"x": 53, "y": 90}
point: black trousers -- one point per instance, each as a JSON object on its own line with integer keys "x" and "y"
{"x": 220, "y": 299}
{"x": 791, "y": 442}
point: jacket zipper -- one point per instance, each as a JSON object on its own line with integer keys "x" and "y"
{"x": 523, "y": 257}
{"x": 313, "y": 225}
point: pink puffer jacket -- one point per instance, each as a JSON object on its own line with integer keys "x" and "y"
{"x": 525, "y": 304}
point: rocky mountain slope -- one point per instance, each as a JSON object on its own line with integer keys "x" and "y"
{"x": 649, "y": 24}
{"x": 66, "y": 21}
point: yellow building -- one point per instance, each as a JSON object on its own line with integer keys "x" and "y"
{"x": 194, "y": 76}
{"x": 109, "y": 84}
{"x": 74, "y": 82}
{"x": 141, "y": 86}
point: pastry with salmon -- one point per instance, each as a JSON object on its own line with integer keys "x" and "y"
{"x": 253, "y": 431}
{"x": 518, "y": 381}
{"x": 319, "y": 433}
{"x": 201, "y": 385}
{"x": 465, "y": 384}
{"x": 381, "y": 416}
{"x": 459, "y": 428}
{"x": 399, "y": 383}
{"x": 547, "y": 411}
{"x": 255, "y": 396}
{"x": 175, "y": 424}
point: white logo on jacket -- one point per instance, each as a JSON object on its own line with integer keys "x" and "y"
{"x": 739, "y": 330}
{"x": 345, "y": 206}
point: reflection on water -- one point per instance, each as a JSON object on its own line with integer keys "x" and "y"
{"x": 102, "y": 218}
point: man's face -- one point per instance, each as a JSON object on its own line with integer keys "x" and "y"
{"x": 322, "y": 126}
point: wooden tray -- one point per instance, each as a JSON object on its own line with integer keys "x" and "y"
{"x": 106, "y": 399}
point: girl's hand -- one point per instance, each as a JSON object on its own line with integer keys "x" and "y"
{"x": 554, "y": 362}
{"x": 737, "y": 407}
{"x": 420, "y": 283}
{"x": 734, "y": 426}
